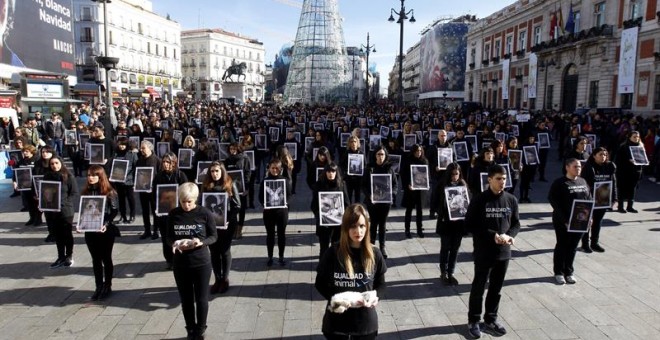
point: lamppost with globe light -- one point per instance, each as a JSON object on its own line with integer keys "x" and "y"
{"x": 403, "y": 15}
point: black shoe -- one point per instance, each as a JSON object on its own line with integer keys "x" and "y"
{"x": 452, "y": 280}
{"x": 587, "y": 249}
{"x": 121, "y": 221}
{"x": 445, "y": 279}
{"x": 68, "y": 261}
{"x": 58, "y": 263}
{"x": 596, "y": 247}
{"x": 106, "y": 291}
{"x": 620, "y": 210}
{"x": 282, "y": 262}
{"x": 38, "y": 223}
{"x": 215, "y": 288}
{"x": 420, "y": 234}
{"x": 145, "y": 236}
{"x": 495, "y": 328}
{"x": 131, "y": 220}
{"x": 192, "y": 334}
{"x": 432, "y": 216}
{"x": 270, "y": 262}
{"x": 49, "y": 239}
{"x": 154, "y": 236}
{"x": 408, "y": 234}
{"x": 224, "y": 286}
{"x": 251, "y": 206}
{"x": 29, "y": 222}
{"x": 632, "y": 210}
{"x": 15, "y": 194}
{"x": 474, "y": 330}
{"x": 97, "y": 294}
{"x": 24, "y": 209}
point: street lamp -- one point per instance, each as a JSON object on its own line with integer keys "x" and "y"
{"x": 368, "y": 48}
{"x": 108, "y": 63}
{"x": 403, "y": 15}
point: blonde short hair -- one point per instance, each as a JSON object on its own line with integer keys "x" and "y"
{"x": 188, "y": 192}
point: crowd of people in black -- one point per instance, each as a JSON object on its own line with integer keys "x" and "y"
{"x": 464, "y": 167}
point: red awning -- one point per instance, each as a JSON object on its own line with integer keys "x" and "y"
{"x": 152, "y": 92}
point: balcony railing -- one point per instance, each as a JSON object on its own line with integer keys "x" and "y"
{"x": 86, "y": 38}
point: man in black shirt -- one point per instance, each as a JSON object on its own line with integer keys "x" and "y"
{"x": 493, "y": 217}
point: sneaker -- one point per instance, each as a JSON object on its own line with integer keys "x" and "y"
{"x": 452, "y": 280}
{"x": 58, "y": 263}
{"x": 632, "y": 210}
{"x": 587, "y": 249}
{"x": 68, "y": 261}
{"x": 495, "y": 328}
{"x": 474, "y": 330}
{"x": 570, "y": 279}
{"x": 560, "y": 279}
{"x": 597, "y": 247}
{"x": 96, "y": 295}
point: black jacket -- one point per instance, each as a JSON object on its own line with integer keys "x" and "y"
{"x": 68, "y": 192}
{"x": 488, "y": 214}
{"x": 373, "y": 168}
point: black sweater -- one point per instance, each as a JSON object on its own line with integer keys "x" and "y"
{"x": 374, "y": 168}
{"x": 562, "y": 193}
{"x": 68, "y": 191}
{"x": 332, "y": 278}
{"x": 488, "y": 214}
{"x": 197, "y": 223}
{"x": 592, "y": 173}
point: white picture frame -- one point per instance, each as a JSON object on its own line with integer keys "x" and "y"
{"x": 461, "y": 151}
{"x": 457, "y": 200}
{"x": 185, "y": 158}
{"x": 118, "y": 171}
{"x": 355, "y": 164}
{"x": 531, "y": 155}
{"x": 70, "y": 137}
{"x": 36, "y": 180}
{"x": 293, "y": 150}
{"x": 217, "y": 203}
{"x": 250, "y": 157}
{"x": 381, "y": 188}
{"x": 261, "y": 142}
{"x": 638, "y": 155}
{"x": 96, "y": 153}
{"x": 580, "y": 218}
{"x": 515, "y": 158}
{"x": 274, "y": 134}
{"x": 419, "y": 177}
{"x": 409, "y": 139}
{"x": 395, "y": 161}
{"x": 144, "y": 176}
{"x": 50, "y": 196}
{"x": 275, "y": 194}
{"x": 202, "y": 171}
{"x": 483, "y": 178}
{"x": 544, "y": 140}
{"x": 331, "y": 207}
{"x": 162, "y": 148}
{"x": 445, "y": 157}
{"x": 23, "y": 178}
{"x": 602, "y": 195}
{"x": 238, "y": 176}
{"x": 90, "y": 213}
{"x": 166, "y": 198}
{"x": 472, "y": 139}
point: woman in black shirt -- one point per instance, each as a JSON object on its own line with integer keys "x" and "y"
{"x": 413, "y": 199}
{"x": 330, "y": 180}
{"x": 378, "y": 212}
{"x": 61, "y": 222}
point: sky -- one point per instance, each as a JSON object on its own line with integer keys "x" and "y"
{"x": 275, "y": 22}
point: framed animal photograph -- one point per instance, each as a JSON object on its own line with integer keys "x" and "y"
{"x": 143, "y": 179}
{"x": 83, "y": 138}
{"x": 445, "y": 157}
{"x": 185, "y": 158}
{"x": 274, "y": 193}
{"x": 223, "y": 151}
{"x": 260, "y": 141}
{"x": 309, "y": 141}
{"x": 395, "y": 160}
{"x": 472, "y": 139}
{"x": 238, "y": 177}
{"x": 250, "y": 157}
{"x": 515, "y": 157}
{"x": 419, "y": 177}
{"x": 315, "y": 151}
{"x": 483, "y": 176}
{"x": 515, "y": 130}
{"x": 500, "y": 136}
{"x": 217, "y": 202}
{"x": 202, "y": 171}
{"x": 96, "y": 153}
{"x": 134, "y": 140}
{"x": 355, "y": 164}
{"x": 162, "y": 149}
{"x": 544, "y": 140}
{"x": 166, "y": 198}
{"x": 331, "y": 207}
{"x": 384, "y": 131}
{"x": 408, "y": 141}
{"x": 274, "y": 133}
{"x": 508, "y": 183}
{"x": 531, "y": 155}
{"x": 638, "y": 155}
{"x": 177, "y": 135}
{"x": 70, "y": 137}
{"x": 592, "y": 139}
{"x": 580, "y": 216}
{"x": 374, "y": 141}
{"x": 23, "y": 178}
{"x": 90, "y": 216}
{"x": 15, "y": 155}
{"x": 36, "y": 180}
{"x": 395, "y": 133}
{"x": 381, "y": 188}
{"x": 319, "y": 172}
{"x": 119, "y": 170}
{"x": 461, "y": 151}
{"x": 602, "y": 195}
{"x": 50, "y": 198}
{"x": 457, "y": 200}
{"x": 293, "y": 150}
{"x": 165, "y": 124}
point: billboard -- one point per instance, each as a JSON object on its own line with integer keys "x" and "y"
{"x": 443, "y": 52}
{"x": 627, "y": 60}
{"x": 37, "y": 35}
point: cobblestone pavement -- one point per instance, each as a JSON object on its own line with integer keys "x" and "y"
{"x": 616, "y": 296}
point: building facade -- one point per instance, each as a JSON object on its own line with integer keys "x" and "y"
{"x": 357, "y": 64}
{"x": 148, "y": 47}
{"x": 393, "y": 86}
{"x": 411, "y": 65}
{"x": 564, "y": 55}
{"x": 208, "y": 53}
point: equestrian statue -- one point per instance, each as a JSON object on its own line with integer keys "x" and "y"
{"x": 235, "y": 68}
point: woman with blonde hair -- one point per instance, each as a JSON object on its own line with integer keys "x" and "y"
{"x": 352, "y": 265}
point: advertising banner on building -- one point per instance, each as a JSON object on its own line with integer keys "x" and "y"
{"x": 38, "y": 35}
{"x": 627, "y": 60}
{"x": 506, "y": 65}
{"x": 443, "y": 57}
{"x": 531, "y": 77}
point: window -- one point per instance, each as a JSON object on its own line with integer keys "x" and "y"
{"x": 494, "y": 105}
{"x": 593, "y": 94}
{"x": 111, "y": 39}
{"x": 522, "y": 40}
{"x": 224, "y": 50}
{"x": 576, "y": 19}
{"x": 86, "y": 14}
{"x": 473, "y": 52}
{"x": 86, "y": 35}
{"x": 599, "y": 14}
{"x": 486, "y": 51}
{"x": 484, "y": 97}
{"x": 174, "y": 54}
{"x": 508, "y": 47}
{"x": 537, "y": 35}
{"x": 140, "y": 28}
{"x": 548, "y": 97}
{"x": 157, "y": 50}
{"x": 497, "y": 49}
{"x": 635, "y": 9}
{"x": 626, "y": 100}
{"x": 148, "y": 47}
{"x": 250, "y": 55}
{"x": 165, "y": 51}
{"x": 656, "y": 94}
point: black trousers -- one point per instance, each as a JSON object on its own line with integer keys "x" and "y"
{"x": 253, "y": 178}
{"x": 450, "y": 242}
{"x": 493, "y": 272}
{"x": 32, "y": 205}
{"x": 147, "y": 209}
{"x": 353, "y": 186}
{"x": 221, "y": 253}
{"x": 627, "y": 188}
{"x": 597, "y": 220}
{"x": 100, "y": 248}
{"x": 241, "y": 211}
{"x": 331, "y": 336}
{"x": 276, "y": 218}
{"x": 526, "y": 177}
{"x": 565, "y": 249}
{"x": 327, "y": 235}
{"x": 160, "y": 222}
{"x": 543, "y": 160}
{"x": 125, "y": 193}
{"x": 416, "y": 203}
{"x": 193, "y": 286}
{"x": 62, "y": 228}
{"x": 378, "y": 214}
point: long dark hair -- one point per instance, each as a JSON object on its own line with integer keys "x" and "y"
{"x": 104, "y": 186}
{"x": 332, "y": 167}
{"x": 225, "y": 180}
{"x": 451, "y": 168}
{"x": 323, "y": 150}
{"x": 64, "y": 171}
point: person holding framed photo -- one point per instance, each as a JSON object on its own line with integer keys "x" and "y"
{"x": 413, "y": 199}
{"x": 512, "y": 146}
{"x": 275, "y": 217}
{"x": 330, "y": 181}
{"x": 100, "y": 243}
{"x": 598, "y": 169}
{"x": 378, "y": 212}
{"x": 481, "y": 163}
{"x": 528, "y": 172}
{"x": 125, "y": 189}
{"x": 219, "y": 181}
{"x": 451, "y": 230}
{"x": 322, "y": 159}
{"x": 61, "y": 222}
{"x": 168, "y": 174}
{"x": 27, "y": 196}
{"x": 147, "y": 158}
{"x": 578, "y": 149}
{"x": 353, "y": 182}
{"x": 41, "y": 167}
{"x": 437, "y": 172}
{"x": 627, "y": 173}
{"x": 563, "y": 192}
{"x": 237, "y": 160}
{"x": 191, "y": 258}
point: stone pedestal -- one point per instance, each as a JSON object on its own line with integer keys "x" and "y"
{"x": 234, "y": 90}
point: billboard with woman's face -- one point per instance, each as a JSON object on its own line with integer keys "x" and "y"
{"x": 442, "y": 53}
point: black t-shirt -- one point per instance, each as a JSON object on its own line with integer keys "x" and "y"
{"x": 197, "y": 223}
{"x": 488, "y": 214}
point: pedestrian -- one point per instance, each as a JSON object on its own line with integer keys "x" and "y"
{"x": 528, "y": 172}
{"x": 481, "y": 163}
{"x": 238, "y": 161}
{"x": 60, "y": 223}
{"x": 493, "y": 219}
{"x": 148, "y": 159}
{"x": 100, "y": 243}
{"x": 563, "y": 192}
{"x": 413, "y": 199}
{"x": 191, "y": 259}
{"x": 451, "y": 231}
{"x": 352, "y": 265}
{"x": 125, "y": 189}
{"x": 275, "y": 217}
{"x": 330, "y": 181}
{"x": 627, "y": 173}
{"x": 353, "y": 182}
{"x": 378, "y": 212}
{"x": 598, "y": 169}
{"x": 219, "y": 181}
